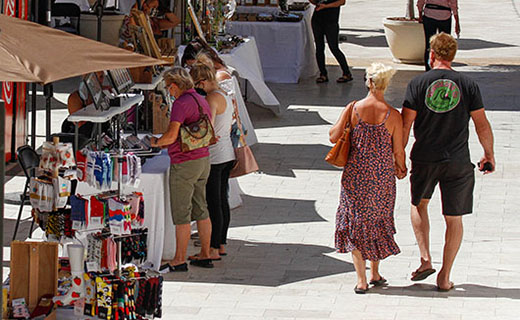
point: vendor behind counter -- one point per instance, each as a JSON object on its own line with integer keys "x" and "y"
{"x": 78, "y": 100}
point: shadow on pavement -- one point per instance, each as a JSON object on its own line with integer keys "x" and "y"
{"x": 362, "y": 30}
{"x": 267, "y": 264}
{"x": 291, "y": 117}
{"x": 273, "y": 211}
{"x": 355, "y": 36}
{"x": 370, "y": 41}
{"x": 477, "y": 44}
{"x": 494, "y": 81}
{"x": 281, "y": 159}
{"x": 461, "y": 290}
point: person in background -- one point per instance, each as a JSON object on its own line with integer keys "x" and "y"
{"x": 439, "y": 103}
{"x": 325, "y": 24}
{"x": 78, "y": 100}
{"x": 199, "y": 50}
{"x": 161, "y": 18}
{"x": 222, "y": 156}
{"x": 365, "y": 217}
{"x": 435, "y": 15}
{"x": 189, "y": 172}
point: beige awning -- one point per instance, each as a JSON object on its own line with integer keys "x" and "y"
{"x": 30, "y": 52}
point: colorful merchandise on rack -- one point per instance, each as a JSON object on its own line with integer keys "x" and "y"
{"x": 98, "y": 169}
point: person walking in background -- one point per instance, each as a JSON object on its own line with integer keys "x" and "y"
{"x": 221, "y": 155}
{"x": 189, "y": 172}
{"x": 365, "y": 216}
{"x": 435, "y": 15}
{"x": 439, "y": 103}
{"x": 325, "y": 24}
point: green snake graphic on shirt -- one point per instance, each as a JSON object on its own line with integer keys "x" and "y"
{"x": 442, "y": 95}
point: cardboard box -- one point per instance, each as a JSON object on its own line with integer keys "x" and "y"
{"x": 34, "y": 271}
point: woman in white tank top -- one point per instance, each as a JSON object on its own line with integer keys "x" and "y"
{"x": 222, "y": 155}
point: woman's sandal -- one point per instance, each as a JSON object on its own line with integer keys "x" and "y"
{"x": 345, "y": 78}
{"x": 183, "y": 267}
{"x": 203, "y": 263}
{"x": 322, "y": 79}
{"x": 378, "y": 283}
{"x": 197, "y": 257}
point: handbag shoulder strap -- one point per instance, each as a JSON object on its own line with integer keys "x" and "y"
{"x": 239, "y": 123}
{"x": 349, "y": 114}
{"x": 201, "y": 112}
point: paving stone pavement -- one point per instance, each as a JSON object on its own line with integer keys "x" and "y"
{"x": 282, "y": 264}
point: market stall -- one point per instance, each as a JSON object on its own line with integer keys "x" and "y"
{"x": 118, "y": 215}
{"x": 286, "y": 49}
{"x": 50, "y": 189}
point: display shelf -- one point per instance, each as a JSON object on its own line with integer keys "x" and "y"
{"x": 150, "y": 86}
{"x": 89, "y": 113}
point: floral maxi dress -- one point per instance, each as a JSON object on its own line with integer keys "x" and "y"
{"x": 365, "y": 216}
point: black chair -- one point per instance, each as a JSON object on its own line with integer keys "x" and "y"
{"x": 68, "y": 10}
{"x": 29, "y": 160}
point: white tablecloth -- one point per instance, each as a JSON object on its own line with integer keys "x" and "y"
{"x": 155, "y": 186}
{"x": 246, "y": 61}
{"x": 286, "y": 49}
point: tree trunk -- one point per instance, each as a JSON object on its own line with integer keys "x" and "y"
{"x": 410, "y": 10}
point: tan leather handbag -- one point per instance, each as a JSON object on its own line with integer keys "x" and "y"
{"x": 338, "y": 155}
{"x": 245, "y": 160}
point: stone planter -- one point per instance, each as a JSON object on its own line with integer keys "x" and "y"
{"x": 405, "y": 39}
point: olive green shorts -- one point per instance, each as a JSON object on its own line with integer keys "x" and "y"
{"x": 188, "y": 190}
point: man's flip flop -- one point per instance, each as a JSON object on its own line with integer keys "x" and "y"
{"x": 359, "y": 290}
{"x": 378, "y": 283}
{"x": 423, "y": 274}
{"x": 452, "y": 285}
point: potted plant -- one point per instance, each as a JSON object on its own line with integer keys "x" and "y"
{"x": 405, "y": 36}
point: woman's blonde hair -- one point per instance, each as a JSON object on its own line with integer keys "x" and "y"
{"x": 200, "y": 72}
{"x": 180, "y": 77}
{"x": 444, "y": 46}
{"x": 378, "y": 76}
{"x": 204, "y": 59}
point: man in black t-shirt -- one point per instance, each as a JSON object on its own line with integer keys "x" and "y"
{"x": 439, "y": 104}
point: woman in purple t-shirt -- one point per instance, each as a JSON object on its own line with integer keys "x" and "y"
{"x": 189, "y": 172}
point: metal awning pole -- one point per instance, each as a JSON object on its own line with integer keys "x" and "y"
{"x": 100, "y": 8}
{"x": 2, "y": 179}
{"x": 33, "y": 87}
{"x": 33, "y": 117}
{"x": 47, "y": 89}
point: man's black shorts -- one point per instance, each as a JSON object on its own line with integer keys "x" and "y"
{"x": 456, "y": 179}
